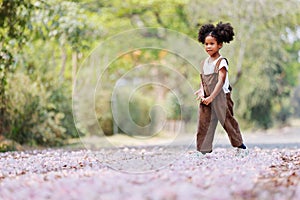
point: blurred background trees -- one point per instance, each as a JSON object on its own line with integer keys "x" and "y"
{"x": 43, "y": 43}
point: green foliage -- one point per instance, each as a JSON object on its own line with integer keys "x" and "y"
{"x": 106, "y": 123}
{"x": 65, "y": 22}
{"x": 14, "y": 20}
{"x": 42, "y": 40}
{"x": 138, "y": 106}
{"x": 61, "y": 103}
{"x": 103, "y": 112}
{"x": 173, "y": 107}
{"x": 292, "y": 73}
{"x": 32, "y": 118}
{"x": 140, "y": 109}
{"x": 296, "y": 102}
{"x": 118, "y": 16}
{"x": 27, "y": 27}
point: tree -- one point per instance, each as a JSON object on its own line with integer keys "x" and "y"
{"x": 27, "y": 27}
{"x": 67, "y": 24}
{"x": 14, "y": 25}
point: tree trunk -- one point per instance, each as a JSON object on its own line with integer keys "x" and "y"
{"x": 239, "y": 63}
{"x": 63, "y": 62}
{"x": 74, "y": 67}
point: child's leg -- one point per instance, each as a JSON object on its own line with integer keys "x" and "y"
{"x": 207, "y": 144}
{"x": 206, "y": 128}
{"x": 231, "y": 125}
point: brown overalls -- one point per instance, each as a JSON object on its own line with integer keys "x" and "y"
{"x": 220, "y": 109}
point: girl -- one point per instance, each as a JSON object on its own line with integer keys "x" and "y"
{"x": 214, "y": 93}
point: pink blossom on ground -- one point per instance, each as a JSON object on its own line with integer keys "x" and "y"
{"x": 150, "y": 173}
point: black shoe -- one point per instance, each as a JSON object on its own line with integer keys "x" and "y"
{"x": 242, "y": 146}
{"x": 205, "y": 152}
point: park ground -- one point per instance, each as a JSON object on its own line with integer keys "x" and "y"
{"x": 165, "y": 168}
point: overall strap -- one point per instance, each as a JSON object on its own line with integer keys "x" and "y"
{"x": 218, "y": 64}
{"x": 201, "y": 67}
{"x": 202, "y": 73}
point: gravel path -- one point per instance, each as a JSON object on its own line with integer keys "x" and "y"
{"x": 150, "y": 172}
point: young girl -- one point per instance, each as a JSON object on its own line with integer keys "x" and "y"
{"x": 214, "y": 93}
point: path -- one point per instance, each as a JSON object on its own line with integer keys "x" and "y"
{"x": 59, "y": 174}
{"x": 155, "y": 171}
{"x": 288, "y": 137}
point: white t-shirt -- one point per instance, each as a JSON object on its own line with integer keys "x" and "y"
{"x": 209, "y": 68}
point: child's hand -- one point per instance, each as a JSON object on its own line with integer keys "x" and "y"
{"x": 207, "y": 100}
{"x": 200, "y": 94}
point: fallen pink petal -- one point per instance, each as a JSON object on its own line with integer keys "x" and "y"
{"x": 62, "y": 174}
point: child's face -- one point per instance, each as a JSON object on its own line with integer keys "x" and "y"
{"x": 211, "y": 46}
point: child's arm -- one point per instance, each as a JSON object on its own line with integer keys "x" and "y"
{"x": 218, "y": 88}
{"x": 200, "y": 93}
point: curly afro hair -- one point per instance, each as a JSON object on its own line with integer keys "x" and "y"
{"x": 222, "y": 32}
